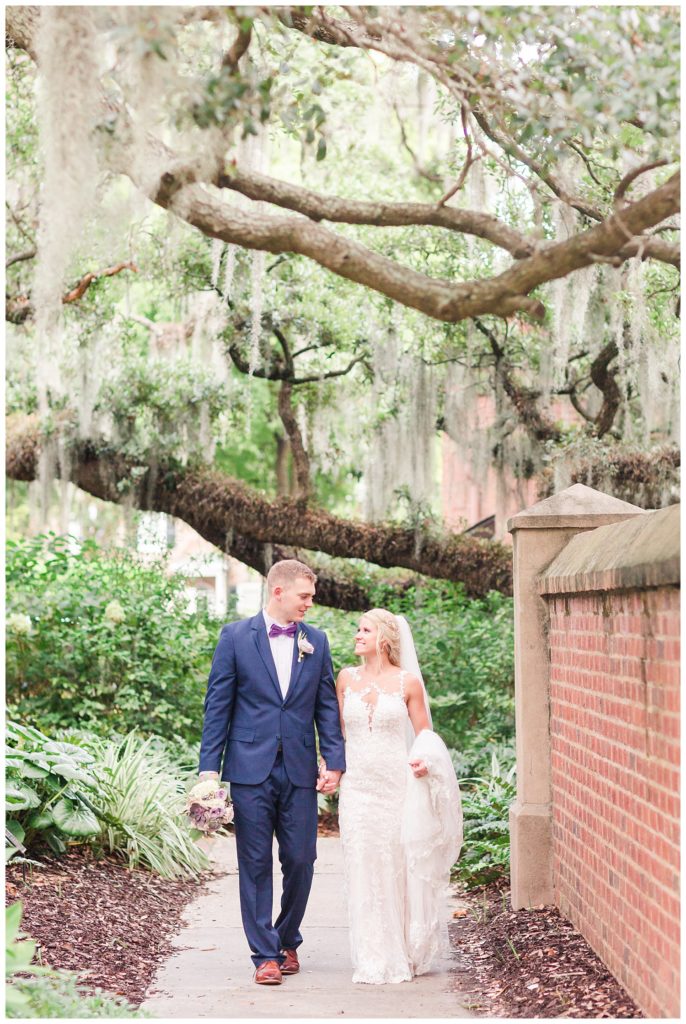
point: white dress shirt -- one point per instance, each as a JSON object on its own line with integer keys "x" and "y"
{"x": 282, "y": 653}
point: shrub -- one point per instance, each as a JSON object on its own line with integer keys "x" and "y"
{"x": 486, "y": 802}
{"x": 46, "y": 788}
{"x": 101, "y": 639}
{"x": 126, "y": 796}
{"x": 140, "y": 800}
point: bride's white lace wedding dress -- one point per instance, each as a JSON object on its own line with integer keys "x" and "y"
{"x": 399, "y": 836}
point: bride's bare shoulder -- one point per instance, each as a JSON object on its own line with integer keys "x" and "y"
{"x": 412, "y": 684}
{"x": 345, "y": 674}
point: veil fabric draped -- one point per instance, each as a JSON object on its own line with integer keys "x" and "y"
{"x": 431, "y": 831}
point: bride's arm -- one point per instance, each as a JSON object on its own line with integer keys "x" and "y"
{"x": 416, "y": 709}
{"x": 340, "y": 693}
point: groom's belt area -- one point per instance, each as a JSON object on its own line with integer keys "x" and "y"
{"x": 246, "y": 735}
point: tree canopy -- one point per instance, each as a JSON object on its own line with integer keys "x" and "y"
{"x": 260, "y": 259}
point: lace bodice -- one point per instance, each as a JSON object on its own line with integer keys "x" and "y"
{"x": 375, "y": 720}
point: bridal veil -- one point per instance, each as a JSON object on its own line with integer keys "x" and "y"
{"x": 432, "y": 830}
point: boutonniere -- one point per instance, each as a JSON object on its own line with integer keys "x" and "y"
{"x": 304, "y": 646}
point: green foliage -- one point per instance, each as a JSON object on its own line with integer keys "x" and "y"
{"x": 102, "y": 639}
{"x": 47, "y": 785}
{"x": 123, "y": 795}
{"x": 466, "y": 652}
{"x": 140, "y": 801}
{"x": 48, "y": 993}
{"x": 158, "y": 408}
{"x": 485, "y": 854}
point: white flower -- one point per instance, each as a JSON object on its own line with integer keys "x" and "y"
{"x": 304, "y": 646}
{"x": 18, "y": 623}
{"x": 204, "y": 790}
{"x": 114, "y": 613}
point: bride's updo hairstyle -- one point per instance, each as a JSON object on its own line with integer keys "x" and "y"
{"x": 387, "y": 633}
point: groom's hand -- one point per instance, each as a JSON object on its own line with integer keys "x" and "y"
{"x": 328, "y": 781}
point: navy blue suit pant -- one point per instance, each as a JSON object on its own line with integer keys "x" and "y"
{"x": 275, "y": 806}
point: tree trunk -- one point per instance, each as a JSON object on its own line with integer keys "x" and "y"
{"x": 283, "y": 483}
{"x": 301, "y": 460}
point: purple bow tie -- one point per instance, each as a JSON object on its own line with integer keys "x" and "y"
{"x": 275, "y": 630}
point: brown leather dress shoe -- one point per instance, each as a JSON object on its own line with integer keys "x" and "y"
{"x": 290, "y": 964}
{"x": 268, "y": 973}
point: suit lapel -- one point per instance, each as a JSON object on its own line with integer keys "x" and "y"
{"x": 264, "y": 649}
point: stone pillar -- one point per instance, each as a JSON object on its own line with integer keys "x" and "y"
{"x": 538, "y": 534}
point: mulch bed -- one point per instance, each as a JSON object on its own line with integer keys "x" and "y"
{"x": 111, "y": 925}
{"x": 328, "y": 824}
{"x": 114, "y": 927}
{"x": 528, "y": 963}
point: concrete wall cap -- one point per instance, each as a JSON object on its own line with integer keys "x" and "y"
{"x": 579, "y": 506}
{"x": 641, "y": 552}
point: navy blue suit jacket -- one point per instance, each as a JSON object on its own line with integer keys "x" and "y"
{"x": 246, "y": 716}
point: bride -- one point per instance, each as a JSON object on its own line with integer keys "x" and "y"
{"x": 399, "y": 808}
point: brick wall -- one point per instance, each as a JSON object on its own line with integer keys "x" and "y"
{"x": 614, "y": 730}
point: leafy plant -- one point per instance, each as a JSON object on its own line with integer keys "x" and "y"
{"x": 102, "y": 639}
{"x": 126, "y": 796}
{"x": 19, "y": 954}
{"x": 45, "y": 789}
{"x": 140, "y": 800}
{"x": 486, "y": 852}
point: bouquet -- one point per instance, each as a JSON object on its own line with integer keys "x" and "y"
{"x": 208, "y": 806}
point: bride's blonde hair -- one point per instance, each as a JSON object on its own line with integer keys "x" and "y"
{"x": 387, "y": 633}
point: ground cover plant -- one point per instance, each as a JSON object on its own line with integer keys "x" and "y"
{"x": 125, "y": 796}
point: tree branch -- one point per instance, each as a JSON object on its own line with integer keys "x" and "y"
{"x": 20, "y": 257}
{"x": 220, "y": 508}
{"x": 605, "y": 380}
{"x": 301, "y": 459}
{"x": 538, "y": 426}
{"x": 627, "y": 180}
{"x": 20, "y": 308}
{"x": 238, "y": 48}
{"x": 317, "y": 207}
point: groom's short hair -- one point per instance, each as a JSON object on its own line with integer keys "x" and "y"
{"x": 287, "y": 571}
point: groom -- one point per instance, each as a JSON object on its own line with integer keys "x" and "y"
{"x": 271, "y": 681}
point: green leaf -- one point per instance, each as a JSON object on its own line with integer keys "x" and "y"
{"x": 321, "y": 148}
{"x": 70, "y": 750}
{"x": 31, "y": 770}
{"x": 13, "y": 915}
{"x": 73, "y": 774}
{"x": 54, "y": 842}
{"x": 19, "y": 796}
{"x": 16, "y": 1002}
{"x": 75, "y": 820}
{"x": 40, "y": 819}
{"x": 16, "y": 829}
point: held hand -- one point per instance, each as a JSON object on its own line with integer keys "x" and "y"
{"x": 331, "y": 780}
{"x": 327, "y": 781}
{"x": 418, "y": 768}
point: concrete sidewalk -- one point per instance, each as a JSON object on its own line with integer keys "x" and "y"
{"x": 211, "y": 973}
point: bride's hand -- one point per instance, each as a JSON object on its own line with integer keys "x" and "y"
{"x": 418, "y": 768}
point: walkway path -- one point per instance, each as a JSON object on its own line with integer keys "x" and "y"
{"x": 210, "y": 975}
